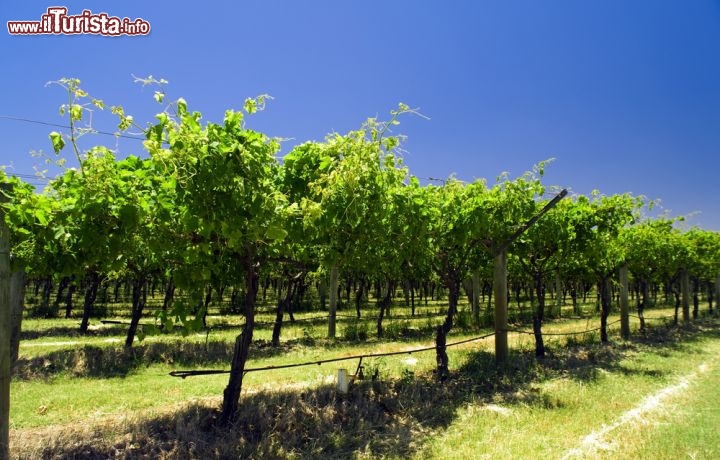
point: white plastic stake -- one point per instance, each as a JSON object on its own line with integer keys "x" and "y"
{"x": 343, "y": 381}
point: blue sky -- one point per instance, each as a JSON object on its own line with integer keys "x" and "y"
{"x": 625, "y": 95}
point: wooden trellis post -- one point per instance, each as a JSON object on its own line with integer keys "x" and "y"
{"x": 624, "y": 303}
{"x": 500, "y": 282}
{"x": 501, "y": 310}
{"x": 685, "y": 292}
{"x": 476, "y": 295}
{"x": 333, "y": 300}
{"x": 5, "y": 333}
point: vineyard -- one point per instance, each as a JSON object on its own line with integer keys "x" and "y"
{"x": 255, "y": 276}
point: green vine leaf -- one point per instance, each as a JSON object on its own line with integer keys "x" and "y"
{"x": 76, "y": 112}
{"x": 58, "y": 142}
{"x": 276, "y": 233}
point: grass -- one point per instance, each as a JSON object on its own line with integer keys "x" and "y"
{"x": 85, "y": 396}
{"x": 564, "y": 407}
{"x": 685, "y": 428}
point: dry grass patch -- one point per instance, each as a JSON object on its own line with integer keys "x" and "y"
{"x": 374, "y": 419}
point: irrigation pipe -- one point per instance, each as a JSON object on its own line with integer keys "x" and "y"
{"x": 185, "y": 374}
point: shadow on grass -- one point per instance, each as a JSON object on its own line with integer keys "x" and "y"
{"x": 583, "y": 361}
{"x": 73, "y": 332}
{"x": 113, "y": 361}
{"x": 377, "y": 418}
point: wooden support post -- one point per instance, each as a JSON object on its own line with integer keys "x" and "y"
{"x": 476, "y": 296}
{"x": 5, "y": 333}
{"x": 17, "y": 294}
{"x": 500, "y": 281}
{"x": 558, "y": 295}
{"x": 685, "y": 291}
{"x": 333, "y": 300}
{"x": 501, "y": 313}
{"x": 624, "y": 303}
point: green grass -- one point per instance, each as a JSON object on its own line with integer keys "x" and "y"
{"x": 67, "y": 400}
{"x": 106, "y": 378}
{"x": 555, "y": 414}
{"x": 89, "y": 390}
{"x": 686, "y": 428}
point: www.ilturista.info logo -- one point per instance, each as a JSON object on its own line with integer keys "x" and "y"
{"x": 57, "y": 22}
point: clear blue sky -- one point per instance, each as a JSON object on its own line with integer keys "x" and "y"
{"x": 625, "y": 95}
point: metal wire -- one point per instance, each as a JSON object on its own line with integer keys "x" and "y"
{"x": 185, "y": 374}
